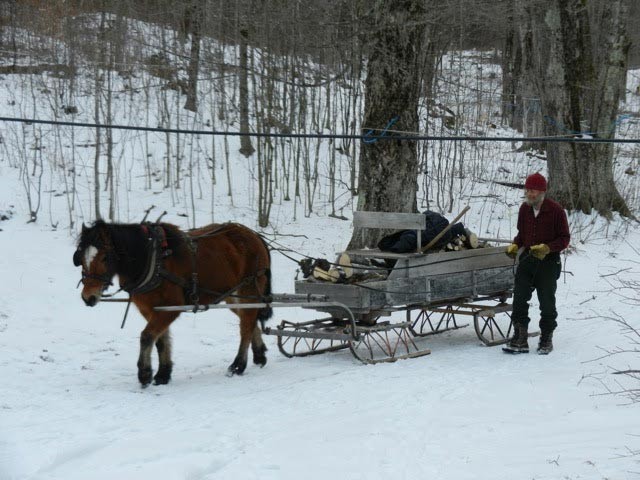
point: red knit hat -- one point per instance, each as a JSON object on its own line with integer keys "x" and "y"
{"x": 536, "y": 182}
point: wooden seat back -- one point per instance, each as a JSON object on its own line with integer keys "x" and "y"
{"x": 393, "y": 221}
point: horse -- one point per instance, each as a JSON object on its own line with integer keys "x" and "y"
{"x": 161, "y": 265}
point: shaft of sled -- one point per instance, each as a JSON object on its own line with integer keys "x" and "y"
{"x": 239, "y": 306}
{"x": 302, "y": 298}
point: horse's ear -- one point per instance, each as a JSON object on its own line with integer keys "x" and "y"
{"x": 84, "y": 227}
{"x": 77, "y": 260}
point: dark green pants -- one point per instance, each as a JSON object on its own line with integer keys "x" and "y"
{"x": 541, "y": 276}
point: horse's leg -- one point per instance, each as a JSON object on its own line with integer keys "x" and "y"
{"x": 163, "y": 345}
{"x": 157, "y": 324}
{"x": 248, "y": 324}
{"x": 258, "y": 347}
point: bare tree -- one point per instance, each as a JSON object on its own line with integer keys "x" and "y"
{"x": 246, "y": 148}
{"x": 193, "y": 14}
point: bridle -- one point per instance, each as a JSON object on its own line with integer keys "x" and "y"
{"x": 156, "y": 250}
{"x": 104, "y": 278}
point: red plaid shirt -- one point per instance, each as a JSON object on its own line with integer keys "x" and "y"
{"x": 550, "y": 226}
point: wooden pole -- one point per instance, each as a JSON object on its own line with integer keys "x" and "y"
{"x": 496, "y": 240}
{"x": 439, "y": 236}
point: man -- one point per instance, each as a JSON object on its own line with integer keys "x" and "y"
{"x": 543, "y": 232}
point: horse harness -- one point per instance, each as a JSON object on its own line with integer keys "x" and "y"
{"x": 154, "y": 272}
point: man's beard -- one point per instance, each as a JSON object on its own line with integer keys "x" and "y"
{"x": 536, "y": 202}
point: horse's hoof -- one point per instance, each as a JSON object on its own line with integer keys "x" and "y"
{"x": 144, "y": 376}
{"x": 163, "y": 375}
{"x": 236, "y": 368}
{"x": 234, "y": 371}
{"x": 259, "y": 357}
{"x": 161, "y": 379}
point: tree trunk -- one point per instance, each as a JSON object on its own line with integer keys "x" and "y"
{"x": 246, "y": 148}
{"x": 511, "y": 54}
{"x": 193, "y": 14}
{"x": 96, "y": 106}
{"x": 521, "y": 103}
{"x": 388, "y": 168}
{"x": 580, "y": 97}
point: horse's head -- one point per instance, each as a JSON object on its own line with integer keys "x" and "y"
{"x": 97, "y": 256}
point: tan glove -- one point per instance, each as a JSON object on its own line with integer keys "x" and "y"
{"x": 540, "y": 251}
{"x": 512, "y": 250}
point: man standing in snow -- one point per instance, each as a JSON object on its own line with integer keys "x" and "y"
{"x": 543, "y": 232}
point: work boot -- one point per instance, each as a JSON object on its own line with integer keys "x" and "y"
{"x": 519, "y": 342}
{"x": 545, "y": 346}
{"x": 516, "y": 329}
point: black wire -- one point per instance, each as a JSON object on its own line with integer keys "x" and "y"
{"x": 369, "y": 137}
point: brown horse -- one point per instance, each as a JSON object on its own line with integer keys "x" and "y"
{"x": 160, "y": 265}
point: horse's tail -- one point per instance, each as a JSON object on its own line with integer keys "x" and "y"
{"x": 267, "y": 312}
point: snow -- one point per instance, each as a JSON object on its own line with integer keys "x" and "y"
{"x": 71, "y": 406}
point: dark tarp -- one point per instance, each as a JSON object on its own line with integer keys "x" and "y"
{"x": 405, "y": 241}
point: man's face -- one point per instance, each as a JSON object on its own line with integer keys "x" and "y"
{"x": 533, "y": 197}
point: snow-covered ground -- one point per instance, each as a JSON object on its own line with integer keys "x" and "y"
{"x": 71, "y": 406}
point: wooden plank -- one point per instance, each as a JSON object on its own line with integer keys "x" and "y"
{"x": 471, "y": 284}
{"x": 474, "y": 252}
{"x": 347, "y": 294}
{"x": 494, "y": 240}
{"x": 494, "y": 280}
{"x": 407, "y": 291}
{"x": 377, "y": 253}
{"x": 359, "y": 300}
{"x": 395, "y": 221}
{"x": 431, "y": 257}
{"x": 448, "y": 286}
{"x": 452, "y": 263}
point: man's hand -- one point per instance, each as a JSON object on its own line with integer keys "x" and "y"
{"x": 540, "y": 251}
{"x": 512, "y": 250}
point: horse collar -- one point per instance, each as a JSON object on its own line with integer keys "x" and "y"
{"x": 157, "y": 230}
{"x": 157, "y": 249}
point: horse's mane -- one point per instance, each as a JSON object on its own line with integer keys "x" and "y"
{"x": 129, "y": 244}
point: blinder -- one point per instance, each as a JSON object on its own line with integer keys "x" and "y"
{"x": 77, "y": 258}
